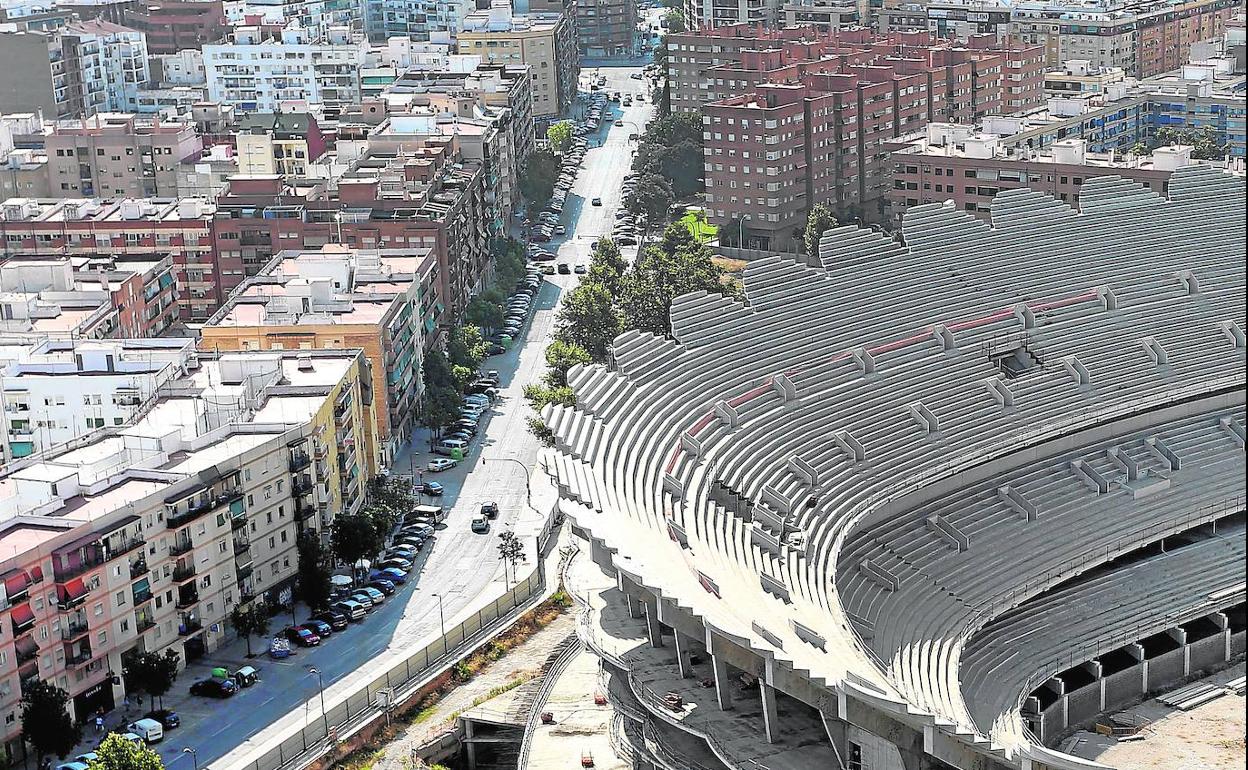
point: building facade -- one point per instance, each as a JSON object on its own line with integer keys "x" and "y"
{"x": 172, "y": 26}
{"x": 278, "y": 143}
{"x": 118, "y": 155}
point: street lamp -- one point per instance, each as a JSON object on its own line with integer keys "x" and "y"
{"x": 194, "y": 756}
{"x": 528, "y": 499}
{"x": 741, "y": 231}
{"x": 441, "y": 617}
{"x": 321, "y": 683}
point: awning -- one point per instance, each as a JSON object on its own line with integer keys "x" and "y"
{"x": 22, "y": 615}
{"x": 71, "y": 591}
{"x": 36, "y": 574}
{"x": 26, "y": 646}
{"x": 15, "y": 581}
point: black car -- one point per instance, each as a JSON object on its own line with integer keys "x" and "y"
{"x": 493, "y": 349}
{"x": 214, "y": 688}
{"x": 168, "y": 719}
{"x": 319, "y": 627}
{"x": 385, "y": 586}
{"x": 431, "y": 488}
{"x": 489, "y": 510}
{"x": 336, "y": 620}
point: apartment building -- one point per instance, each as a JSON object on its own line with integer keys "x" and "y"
{"x": 606, "y": 27}
{"x": 814, "y": 130}
{"x": 144, "y": 537}
{"x": 118, "y": 155}
{"x": 1142, "y": 37}
{"x": 144, "y": 230}
{"x": 416, "y": 19}
{"x": 823, "y": 15}
{"x": 708, "y": 14}
{"x": 546, "y": 42}
{"x": 76, "y": 70}
{"x": 968, "y": 165}
{"x": 1078, "y": 78}
{"x": 278, "y": 143}
{"x": 341, "y": 298}
{"x": 263, "y": 68}
{"x": 428, "y": 197}
{"x": 23, "y": 169}
{"x": 54, "y": 391}
{"x": 172, "y": 26}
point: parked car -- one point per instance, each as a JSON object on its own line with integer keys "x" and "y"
{"x": 246, "y": 676}
{"x": 351, "y": 608}
{"x": 377, "y": 596}
{"x": 439, "y": 464}
{"x": 580, "y": 270}
{"x": 564, "y": 269}
{"x": 395, "y": 563}
{"x": 150, "y": 730}
{"x": 302, "y": 636}
{"x": 168, "y": 719}
{"x": 431, "y": 488}
{"x": 395, "y": 576}
{"x": 489, "y": 510}
{"x": 318, "y": 627}
{"x": 480, "y": 523}
{"x": 214, "y": 688}
{"x": 561, "y": 230}
{"x": 365, "y": 599}
{"x": 383, "y": 585}
{"x": 626, "y": 240}
{"x": 336, "y": 620}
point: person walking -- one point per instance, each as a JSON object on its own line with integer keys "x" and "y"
{"x": 99, "y": 724}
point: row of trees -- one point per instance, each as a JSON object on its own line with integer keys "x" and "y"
{"x": 668, "y": 165}
{"x": 1203, "y": 140}
{"x": 613, "y": 298}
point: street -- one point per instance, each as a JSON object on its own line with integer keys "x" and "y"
{"x": 460, "y": 565}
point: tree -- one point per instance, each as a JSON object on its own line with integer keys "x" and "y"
{"x": 250, "y": 620}
{"x": 671, "y": 148}
{"x": 439, "y": 408}
{"x": 539, "y": 396}
{"x": 651, "y": 198}
{"x": 483, "y": 313}
{"x": 314, "y": 571}
{"x": 559, "y": 134}
{"x": 152, "y": 674}
{"x": 541, "y": 431}
{"x": 587, "y": 320}
{"x": 437, "y": 370}
{"x": 511, "y": 550}
{"x": 466, "y": 348}
{"x": 355, "y": 536}
{"x": 818, "y": 221}
{"x": 607, "y": 266}
{"x": 117, "y": 753}
{"x": 46, "y": 724}
{"x": 562, "y": 356}
{"x": 675, "y": 21}
{"x": 678, "y": 264}
{"x": 537, "y": 180}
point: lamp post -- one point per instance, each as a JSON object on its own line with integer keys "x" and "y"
{"x": 441, "y": 617}
{"x": 741, "y": 231}
{"x": 194, "y": 756}
{"x": 321, "y": 683}
{"x": 527, "y": 492}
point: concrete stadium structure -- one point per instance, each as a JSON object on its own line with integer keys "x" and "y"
{"x": 932, "y": 504}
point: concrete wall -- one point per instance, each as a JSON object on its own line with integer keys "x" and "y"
{"x": 1165, "y": 668}
{"x": 26, "y": 82}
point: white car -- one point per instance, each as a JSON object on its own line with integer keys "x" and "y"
{"x": 439, "y": 464}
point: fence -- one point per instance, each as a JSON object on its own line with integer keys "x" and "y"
{"x": 302, "y": 746}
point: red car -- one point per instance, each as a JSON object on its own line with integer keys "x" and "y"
{"x": 302, "y": 636}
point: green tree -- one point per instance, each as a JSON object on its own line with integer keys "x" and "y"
{"x": 314, "y": 571}
{"x": 483, "y": 313}
{"x": 436, "y": 370}
{"x": 466, "y": 348}
{"x": 250, "y": 620}
{"x": 671, "y": 147}
{"x": 46, "y": 724}
{"x": 537, "y": 180}
{"x": 355, "y": 536}
{"x": 588, "y": 320}
{"x": 562, "y": 356}
{"x": 675, "y": 21}
{"x": 818, "y": 221}
{"x": 607, "y": 266}
{"x": 541, "y": 431}
{"x": 676, "y": 265}
{"x": 539, "y": 396}
{"x": 151, "y": 674}
{"x": 559, "y": 135}
{"x": 439, "y": 408}
{"x": 651, "y": 198}
{"x": 117, "y": 753}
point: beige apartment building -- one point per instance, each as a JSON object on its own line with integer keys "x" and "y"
{"x": 547, "y": 42}
{"x": 118, "y": 155}
{"x": 145, "y": 537}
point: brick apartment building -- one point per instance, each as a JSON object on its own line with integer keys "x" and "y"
{"x": 812, "y": 118}
{"x": 174, "y": 25}
{"x": 118, "y": 155}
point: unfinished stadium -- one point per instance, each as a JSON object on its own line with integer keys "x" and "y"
{"x": 930, "y": 505}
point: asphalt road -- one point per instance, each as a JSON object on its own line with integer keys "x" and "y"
{"x": 460, "y": 565}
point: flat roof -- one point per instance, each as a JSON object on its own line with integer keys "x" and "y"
{"x": 218, "y": 452}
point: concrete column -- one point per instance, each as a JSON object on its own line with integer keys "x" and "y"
{"x": 470, "y": 748}
{"x": 1136, "y": 650}
{"x": 719, "y": 669}
{"x": 634, "y": 607}
{"x": 682, "y": 655}
{"x": 1094, "y": 668}
{"x": 771, "y": 719}
{"x": 654, "y": 631}
{"x": 1224, "y": 623}
{"x": 1180, "y": 635}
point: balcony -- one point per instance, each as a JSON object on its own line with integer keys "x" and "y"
{"x": 243, "y": 572}
{"x": 301, "y": 485}
{"x": 87, "y": 562}
{"x": 204, "y": 505}
{"x": 143, "y": 622}
{"x": 125, "y": 547}
{"x": 299, "y": 461}
{"x": 75, "y": 658}
{"x": 189, "y": 626}
{"x": 138, "y": 568}
{"x": 181, "y": 545}
{"x": 241, "y": 546}
{"x": 187, "y": 599}
{"x": 304, "y": 511}
{"x": 74, "y": 629}
{"x": 183, "y": 572}
{"x": 238, "y": 522}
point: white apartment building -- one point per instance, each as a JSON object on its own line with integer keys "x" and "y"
{"x": 54, "y": 391}
{"x": 416, "y": 19}
{"x": 259, "y": 73}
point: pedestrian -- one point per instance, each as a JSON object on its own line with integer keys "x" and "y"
{"x": 99, "y": 724}
{"x": 125, "y": 703}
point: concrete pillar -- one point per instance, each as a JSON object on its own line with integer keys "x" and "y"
{"x": 1094, "y": 668}
{"x": 470, "y": 748}
{"x": 835, "y": 729}
{"x": 1136, "y": 650}
{"x": 1180, "y": 635}
{"x": 634, "y": 607}
{"x": 771, "y": 719}
{"x": 654, "y": 631}
{"x": 1223, "y": 622}
{"x": 1059, "y": 686}
{"x": 682, "y": 655}
{"x": 719, "y": 669}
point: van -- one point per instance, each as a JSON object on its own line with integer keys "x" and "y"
{"x": 434, "y": 512}
{"x": 449, "y": 446}
{"x": 351, "y": 608}
{"x": 149, "y": 730}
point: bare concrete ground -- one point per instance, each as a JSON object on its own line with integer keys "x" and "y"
{"x": 1208, "y": 737}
